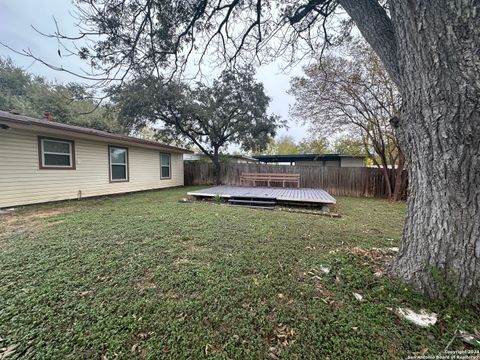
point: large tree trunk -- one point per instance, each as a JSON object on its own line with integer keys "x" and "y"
{"x": 438, "y": 43}
{"x": 216, "y": 166}
{"x": 217, "y": 171}
{"x": 431, "y": 50}
{"x": 400, "y": 178}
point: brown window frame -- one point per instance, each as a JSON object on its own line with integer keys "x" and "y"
{"x": 169, "y": 166}
{"x": 41, "y": 159}
{"x": 110, "y": 164}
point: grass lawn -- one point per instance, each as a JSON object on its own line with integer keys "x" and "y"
{"x": 145, "y": 276}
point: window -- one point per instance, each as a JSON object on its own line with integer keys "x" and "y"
{"x": 165, "y": 166}
{"x": 118, "y": 163}
{"x": 56, "y": 153}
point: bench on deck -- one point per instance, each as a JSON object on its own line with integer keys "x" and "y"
{"x": 253, "y": 178}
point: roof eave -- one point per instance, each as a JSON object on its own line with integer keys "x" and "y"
{"x": 12, "y": 119}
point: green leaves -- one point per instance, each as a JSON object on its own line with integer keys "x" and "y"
{"x": 233, "y": 110}
{"x": 70, "y": 103}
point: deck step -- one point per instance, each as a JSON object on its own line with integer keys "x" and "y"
{"x": 251, "y": 201}
{"x": 252, "y": 206}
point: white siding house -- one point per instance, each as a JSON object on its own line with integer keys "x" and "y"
{"x": 42, "y": 161}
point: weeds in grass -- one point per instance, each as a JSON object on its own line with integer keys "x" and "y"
{"x": 143, "y": 276}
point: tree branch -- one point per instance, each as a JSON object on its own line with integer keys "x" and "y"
{"x": 376, "y": 27}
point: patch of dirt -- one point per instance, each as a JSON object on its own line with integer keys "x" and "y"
{"x": 181, "y": 261}
{"x": 14, "y": 216}
{"x": 327, "y": 296}
{"x": 310, "y": 212}
{"x": 86, "y": 293}
{"x": 323, "y": 294}
{"x": 146, "y": 282}
{"x": 29, "y": 222}
{"x": 172, "y": 295}
{"x": 191, "y": 247}
{"x": 28, "y": 228}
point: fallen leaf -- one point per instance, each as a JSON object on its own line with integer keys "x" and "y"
{"x": 104, "y": 278}
{"x": 421, "y": 352}
{"x": 273, "y": 356}
{"x": 210, "y": 348}
{"x": 283, "y": 337}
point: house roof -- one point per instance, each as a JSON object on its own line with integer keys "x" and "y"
{"x": 245, "y": 157}
{"x": 198, "y": 156}
{"x": 35, "y": 123}
{"x": 304, "y": 157}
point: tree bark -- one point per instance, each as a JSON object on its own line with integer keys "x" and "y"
{"x": 377, "y": 29}
{"x": 400, "y": 178}
{"x": 439, "y": 129}
{"x": 216, "y": 171}
{"x": 216, "y": 166}
{"x": 437, "y": 70}
{"x": 386, "y": 175}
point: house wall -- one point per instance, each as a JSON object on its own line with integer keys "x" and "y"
{"x": 309, "y": 163}
{"x": 332, "y": 163}
{"x": 327, "y": 163}
{"x": 343, "y": 162}
{"x": 22, "y": 182}
{"x": 352, "y": 162}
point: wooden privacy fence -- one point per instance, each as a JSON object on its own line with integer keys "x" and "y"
{"x": 368, "y": 182}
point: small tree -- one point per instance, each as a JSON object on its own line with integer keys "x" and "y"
{"x": 284, "y": 145}
{"x": 353, "y": 94}
{"x": 231, "y": 111}
{"x": 350, "y": 145}
{"x": 314, "y": 145}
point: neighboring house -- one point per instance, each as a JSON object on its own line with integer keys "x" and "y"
{"x": 327, "y": 160}
{"x": 232, "y": 159}
{"x": 42, "y": 161}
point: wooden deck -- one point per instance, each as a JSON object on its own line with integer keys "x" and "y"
{"x": 292, "y": 195}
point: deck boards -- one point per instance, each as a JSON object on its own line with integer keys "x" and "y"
{"x": 281, "y": 194}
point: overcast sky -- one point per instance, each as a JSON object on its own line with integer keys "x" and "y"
{"x": 18, "y": 16}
